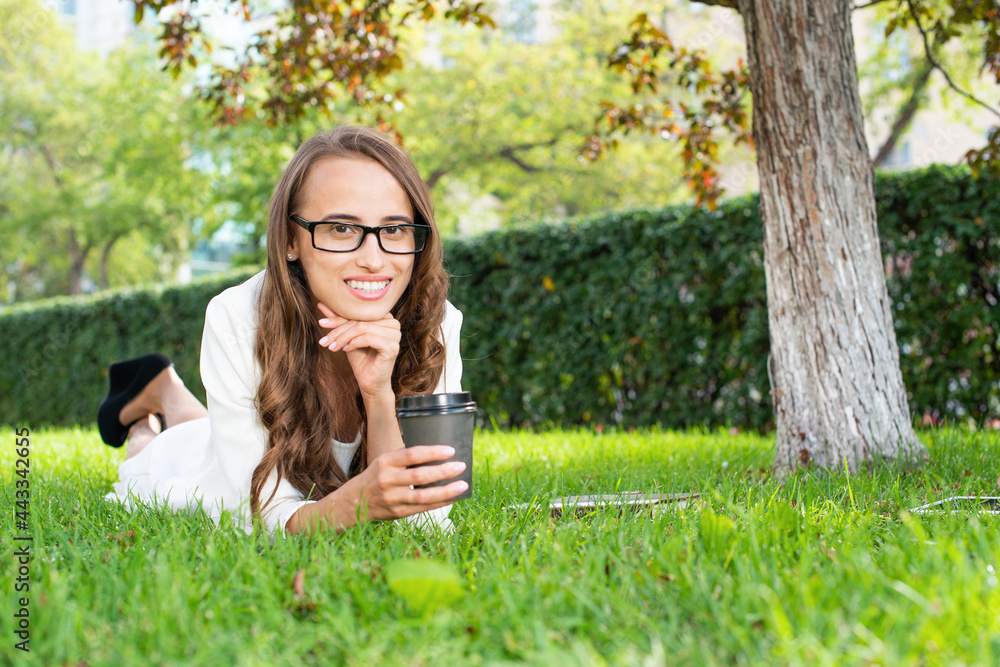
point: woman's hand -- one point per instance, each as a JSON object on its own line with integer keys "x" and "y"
{"x": 384, "y": 491}
{"x": 386, "y": 486}
{"x": 371, "y": 348}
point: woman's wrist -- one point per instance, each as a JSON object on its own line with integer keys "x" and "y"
{"x": 335, "y": 511}
{"x": 383, "y": 428}
{"x": 380, "y": 398}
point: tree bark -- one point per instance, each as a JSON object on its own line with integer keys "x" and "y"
{"x": 838, "y": 393}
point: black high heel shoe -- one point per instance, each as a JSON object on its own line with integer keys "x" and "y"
{"x": 128, "y": 378}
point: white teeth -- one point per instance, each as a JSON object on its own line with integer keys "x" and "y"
{"x": 368, "y": 286}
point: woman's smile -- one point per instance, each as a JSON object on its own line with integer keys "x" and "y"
{"x": 369, "y": 288}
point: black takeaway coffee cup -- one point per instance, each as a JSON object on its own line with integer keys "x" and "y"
{"x": 440, "y": 419}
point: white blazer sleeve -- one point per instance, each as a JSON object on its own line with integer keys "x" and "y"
{"x": 451, "y": 378}
{"x": 230, "y": 376}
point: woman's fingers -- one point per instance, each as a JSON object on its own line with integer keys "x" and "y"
{"x": 390, "y": 485}
{"x": 382, "y": 335}
{"x": 427, "y": 474}
{"x": 389, "y": 347}
{"x": 397, "y": 480}
{"x": 327, "y": 313}
{"x": 331, "y": 319}
{"x": 335, "y": 338}
{"x": 437, "y": 496}
{"x": 410, "y": 501}
{"x": 409, "y": 456}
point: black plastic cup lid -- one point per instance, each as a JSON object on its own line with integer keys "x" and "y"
{"x": 458, "y": 399}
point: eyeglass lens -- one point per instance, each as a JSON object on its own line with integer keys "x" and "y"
{"x": 344, "y": 237}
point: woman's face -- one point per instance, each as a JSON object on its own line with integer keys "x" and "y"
{"x": 365, "y": 284}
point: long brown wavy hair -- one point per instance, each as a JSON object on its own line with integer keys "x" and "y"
{"x": 302, "y": 400}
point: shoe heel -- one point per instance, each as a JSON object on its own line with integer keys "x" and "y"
{"x": 126, "y": 379}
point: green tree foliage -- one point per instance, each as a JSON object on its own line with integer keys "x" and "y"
{"x": 898, "y": 80}
{"x": 678, "y": 96}
{"x": 499, "y": 119}
{"x": 717, "y": 99}
{"x": 343, "y": 57}
{"x": 309, "y": 57}
{"x": 243, "y": 165}
{"x": 494, "y": 124}
{"x": 291, "y": 67}
{"x": 94, "y": 180}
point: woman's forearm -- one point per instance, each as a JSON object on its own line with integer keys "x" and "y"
{"x": 383, "y": 429}
{"x": 335, "y": 511}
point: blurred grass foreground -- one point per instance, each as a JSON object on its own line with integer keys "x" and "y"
{"x": 822, "y": 569}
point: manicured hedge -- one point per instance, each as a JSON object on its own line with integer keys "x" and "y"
{"x": 659, "y": 316}
{"x": 637, "y": 317}
{"x": 56, "y": 352}
{"x": 632, "y": 318}
{"x": 940, "y": 235}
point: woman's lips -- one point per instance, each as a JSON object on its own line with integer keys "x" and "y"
{"x": 368, "y": 290}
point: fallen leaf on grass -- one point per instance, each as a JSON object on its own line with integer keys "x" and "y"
{"x": 122, "y": 537}
{"x": 425, "y": 584}
{"x": 301, "y": 607}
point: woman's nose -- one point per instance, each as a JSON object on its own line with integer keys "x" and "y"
{"x": 370, "y": 255}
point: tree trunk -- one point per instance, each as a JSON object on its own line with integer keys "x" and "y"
{"x": 105, "y": 256}
{"x": 838, "y": 393}
{"x": 78, "y": 257}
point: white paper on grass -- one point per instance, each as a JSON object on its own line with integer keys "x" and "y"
{"x": 961, "y": 505}
{"x": 627, "y": 500}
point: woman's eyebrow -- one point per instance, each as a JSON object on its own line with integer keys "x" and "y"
{"x": 354, "y": 218}
{"x": 340, "y": 216}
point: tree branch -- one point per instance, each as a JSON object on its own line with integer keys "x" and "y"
{"x": 524, "y": 166}
{"x": 78, "y": 257}
{"x": 906, "y": 114}
{"x": 867, "y": 4}
{"x": 526, "y": 147}
{"x": 928, "y": 51}
{"x": 53, "y": 167}
{"x": 509, "y": 151}
{"x": 719, "y": 3}
{"x": 436, "y": 176}
{"x": 105, "y": 254}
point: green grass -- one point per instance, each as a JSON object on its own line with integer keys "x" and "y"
{"x": 812, "y": 570}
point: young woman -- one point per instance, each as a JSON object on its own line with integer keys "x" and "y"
{"x": 303, "y": 363}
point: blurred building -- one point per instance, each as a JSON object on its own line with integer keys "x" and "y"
{"x": 939, "y": 132}
{"x": 100, "y": 25}
{"x": 217, "y": 253}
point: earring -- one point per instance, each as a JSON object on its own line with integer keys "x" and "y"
{"x": 290, "y": 258}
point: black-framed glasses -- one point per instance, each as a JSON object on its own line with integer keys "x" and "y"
{"x": 401, "y": 239}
